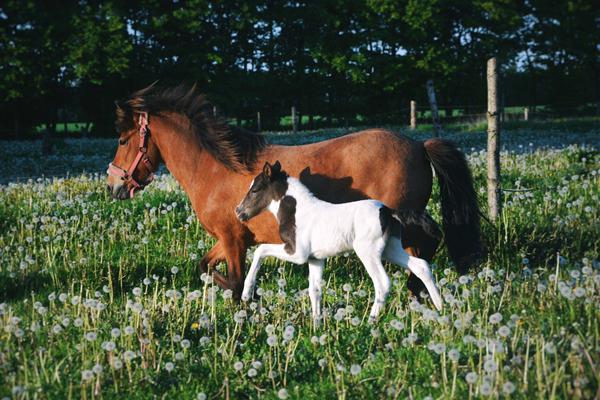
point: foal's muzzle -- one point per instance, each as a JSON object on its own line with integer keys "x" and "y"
{"x": 242, "y": 215}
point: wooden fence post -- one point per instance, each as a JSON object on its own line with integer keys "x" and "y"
{"x": 493, "y": 138}
{"x": 294, "y": 120}
{"x": 526, "y": 114}
{"x": 258, "y": 122}
{"x": 413, "y": 114}
{"x": 437, "y": 127}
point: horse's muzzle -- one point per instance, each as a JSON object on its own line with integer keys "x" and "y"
{"x": 120, "y": 192}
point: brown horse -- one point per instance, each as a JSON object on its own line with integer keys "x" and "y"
{"x": 215, "y": 163}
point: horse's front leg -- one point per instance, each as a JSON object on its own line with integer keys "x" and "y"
{"x": 235, "y": 254}
{"x": 210, "y": 260}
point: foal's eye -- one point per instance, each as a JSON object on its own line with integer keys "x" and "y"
{"x": 123, "y": 142}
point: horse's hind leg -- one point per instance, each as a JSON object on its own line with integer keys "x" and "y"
{"x": 370, "y": 255}
{"x": 395, "y": 253}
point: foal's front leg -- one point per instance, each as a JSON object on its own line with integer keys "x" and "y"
{"x": 315, "y": 276}
{"x": 262, "y": 251}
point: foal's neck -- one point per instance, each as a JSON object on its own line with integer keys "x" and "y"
{"x": 305, "y": 200}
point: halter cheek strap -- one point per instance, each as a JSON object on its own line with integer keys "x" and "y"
{"x": 142, "y": 156}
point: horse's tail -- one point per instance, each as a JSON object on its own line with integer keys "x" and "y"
{"x": 420, "y": 219}
{"x": 460, "y": 210}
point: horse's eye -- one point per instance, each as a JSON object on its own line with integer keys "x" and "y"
{"x": 123, "y": 142}
{"x": 256, "y": 189}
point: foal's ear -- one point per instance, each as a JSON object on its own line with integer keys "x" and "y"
{"x": 277, "y": 167}
{"x": 267, "y": 170}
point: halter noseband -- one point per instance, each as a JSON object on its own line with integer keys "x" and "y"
{"x": 127, "y": 174}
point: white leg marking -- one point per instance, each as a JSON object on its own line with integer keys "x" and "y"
{"x": 395, "y": 253}
{"x": 315, "y": 276}
{"x": 262, "y": 251}
{"x": 370, "y": 255}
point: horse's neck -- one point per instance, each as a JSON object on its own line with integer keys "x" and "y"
{"x": 183, "y": 155}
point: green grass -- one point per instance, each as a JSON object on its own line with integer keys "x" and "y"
{"x": 75, "y": 266}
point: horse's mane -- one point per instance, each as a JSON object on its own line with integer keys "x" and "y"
{"x": 234, "y": 147}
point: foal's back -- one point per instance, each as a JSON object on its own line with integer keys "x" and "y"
{"x": 328, "y": 229}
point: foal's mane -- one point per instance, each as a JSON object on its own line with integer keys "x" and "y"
{"x": 235, "y": 148}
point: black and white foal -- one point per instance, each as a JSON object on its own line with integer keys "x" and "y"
{"x": 312, "y": 230}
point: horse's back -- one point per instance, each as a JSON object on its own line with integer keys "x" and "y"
{"x": 374, "y": 163}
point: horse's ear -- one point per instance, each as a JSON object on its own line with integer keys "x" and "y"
{"x": 267, "y": 170}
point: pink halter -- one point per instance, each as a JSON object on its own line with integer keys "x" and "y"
{"x": 127, "y": 174}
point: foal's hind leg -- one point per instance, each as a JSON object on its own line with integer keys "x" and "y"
{"x": 395, "y": 253}
{"x": 418, "y": 243}
{"x": 370, "y": 255}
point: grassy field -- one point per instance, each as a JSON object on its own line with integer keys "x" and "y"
{"x": 103, "y": 299}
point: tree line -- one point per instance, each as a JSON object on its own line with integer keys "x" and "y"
{"x": 350, "y": 59}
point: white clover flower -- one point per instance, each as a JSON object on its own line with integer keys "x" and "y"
{"x": 490, "y": 366}
{"x": 282, "y": 393}
{"x": 129, "y": 355}
{"x": 485, "y": 389}
{"x": 227, "y": 294}
{"x": 179, "y": 356}
{"x": 398, "y": 325}
{"x": 204, "y": 340}
{"x": 185, "y": 343}
{"x": 272, "y": 340}
{"x": 439, "y": 348}
{"x": 270, "y": 329}
{"x": 252, "y": 373}
{"x": 495, "y": 318}
{"x": 355, "y": 321}
{"x": 288, "y": 332}
{"x": 504, "y": 331}
{"x": 97, "y": 369}
{"x": 257, "y": 364}
{"x": 108, "y": 346}
{"x": 201, "y": 396}
{"x": 129, "y": 330}
{"x": 91, "y": 336}
{"x": 177, "y": 338}
{"x": 508, "y": 388}
{"x": 323, "y": 339}
{"x": 238, "y": 365}
{"x": 174, "y": 270}
{"x": 322, "y": 363}
{"x": 169, "y": 366}
{"x": 137, "y": 291}
{"x": 87, "y": 375}
{"x": 454, "y": 355}
{"x": 115, "y": 332}
{"x": 355, "y": 369}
